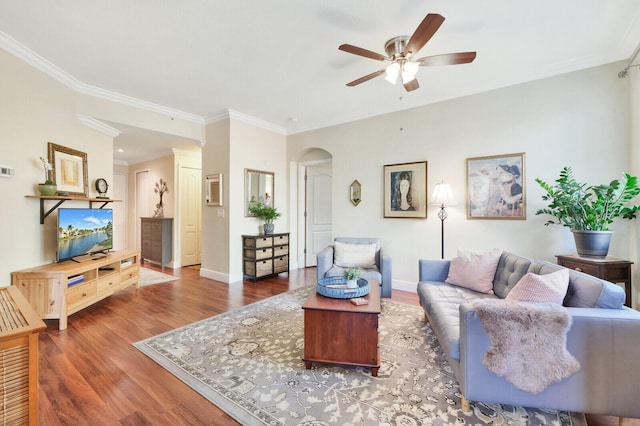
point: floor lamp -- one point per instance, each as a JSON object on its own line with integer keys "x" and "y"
{"x": 442, "y": 196}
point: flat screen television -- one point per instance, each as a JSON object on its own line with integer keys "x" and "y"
{"x": 82, "y": 233}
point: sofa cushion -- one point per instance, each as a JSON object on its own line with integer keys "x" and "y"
{"x": 541, "y": 288}
{"x": 359, "y": 255}
{"x": 511, "y": 268}
{"x": 474, "y": 270}
{"x": 585, "y": 291}
{"x": 441, "y": 302}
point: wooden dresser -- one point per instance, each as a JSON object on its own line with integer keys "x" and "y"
{"x": 58, "y": 290}
{"x": 265, "y": 255}
{"x": 157, "y": 239}
{"x": 19, "y": 328}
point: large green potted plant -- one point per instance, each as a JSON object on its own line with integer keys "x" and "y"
{"x": 267, "y": 213}
{"x": 589, "y": 210}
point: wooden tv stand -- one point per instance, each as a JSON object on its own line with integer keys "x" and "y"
{"x": 58, "y": 290}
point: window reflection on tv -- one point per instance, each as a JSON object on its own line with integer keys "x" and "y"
{"x": 84, "y": 232}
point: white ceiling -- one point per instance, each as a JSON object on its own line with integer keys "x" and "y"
{"x": 278, "y": 60}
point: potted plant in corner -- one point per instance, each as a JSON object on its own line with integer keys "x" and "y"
{"x": 267, "y": 213}
{"x": 589, "y": 210}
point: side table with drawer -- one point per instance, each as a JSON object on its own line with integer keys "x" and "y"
{"x": 606, "y": 268}
{"x": 265, "y": 255}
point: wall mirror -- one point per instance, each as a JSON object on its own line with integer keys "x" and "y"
{"x": 213, "y": 189}
{"x": 258, "y": 186}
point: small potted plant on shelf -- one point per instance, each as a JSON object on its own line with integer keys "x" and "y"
{"x": 266, "y": 213}
{"x": 589, "y": 210}
{"x": 351, "y": 275}
{"x": 48, "y": 187}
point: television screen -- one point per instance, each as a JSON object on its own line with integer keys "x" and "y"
{"x": 84, "y": 232}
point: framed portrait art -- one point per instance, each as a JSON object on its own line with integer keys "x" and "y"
{"x": 405, "y": 190}
{"x": 70, "y": 172}
{"x": 495, "y": 187}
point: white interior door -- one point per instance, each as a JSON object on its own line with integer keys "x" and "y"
{"x": 190, "y": 215}
{"x": 318, "y": 226}
{"x": 120, "y": 212}
{"x": 143, "y": 202}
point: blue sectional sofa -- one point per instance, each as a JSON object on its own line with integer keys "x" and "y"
{"x": 604, "y": 338}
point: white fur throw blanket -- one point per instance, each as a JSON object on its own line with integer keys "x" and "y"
{"x": 528, "y": 342}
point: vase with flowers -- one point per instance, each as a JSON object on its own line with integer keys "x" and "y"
{"x": 48, "y": 187}
{"x": 160, "y": 189}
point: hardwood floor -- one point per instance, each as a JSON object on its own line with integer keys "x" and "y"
{"x": 90, "y": 374}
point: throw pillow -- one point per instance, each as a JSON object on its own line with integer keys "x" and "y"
{"x": 541, "y": 288}
{"x": 474, "y": 270}
{"x": 347, "y": 255}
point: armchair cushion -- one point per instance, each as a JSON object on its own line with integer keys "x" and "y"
{"x": 359, "y": 255}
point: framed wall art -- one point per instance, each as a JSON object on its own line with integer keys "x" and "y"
{"x": 70, "y": 172}
{"x": 495, "y": 187}
{"x": 355, "y": 192}
{"x": 405, "y": 190}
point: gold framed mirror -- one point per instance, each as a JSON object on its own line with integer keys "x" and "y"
{"x": 258, "y": 186}
{"x": 213, "y": 186}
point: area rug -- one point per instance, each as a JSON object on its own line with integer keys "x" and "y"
{"x": 248, "y": 363}
{"x": 149, "y": 277}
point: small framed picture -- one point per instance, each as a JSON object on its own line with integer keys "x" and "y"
{"x": 70, "y": 172}
{"x": 405, "y": 190}
{"x": 495, "y": 187}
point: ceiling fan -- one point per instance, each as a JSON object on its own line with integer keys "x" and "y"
{"x": 401, "y": 50}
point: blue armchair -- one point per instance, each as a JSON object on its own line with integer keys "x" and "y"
{"x": 369, "y": 257}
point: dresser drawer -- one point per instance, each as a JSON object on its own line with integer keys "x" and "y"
{"x": 264, "y": 253}
{"x": 258, "y": 268}
{"x": 128, "y": 276}
{"x": 281, "y": 239}
{"x": 581, "y": 267}
{"x": 258, "y": 242}
{"x": 109, "y": 284}
{"x": 280, "y": 250}
{"x": 80, "y": 295}
{"x": 280, "y": 264}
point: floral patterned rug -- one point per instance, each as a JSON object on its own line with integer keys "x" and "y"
{"x": 248, "y": 362}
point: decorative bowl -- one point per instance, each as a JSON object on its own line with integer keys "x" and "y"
{"x": 336, "y": 287}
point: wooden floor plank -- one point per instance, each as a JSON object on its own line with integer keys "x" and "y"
{"x": 91, "y": 374}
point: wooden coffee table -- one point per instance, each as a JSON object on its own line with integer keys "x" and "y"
{"x": 339, "y": 332}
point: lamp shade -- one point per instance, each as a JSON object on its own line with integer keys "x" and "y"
{"x": 442, "y": 195}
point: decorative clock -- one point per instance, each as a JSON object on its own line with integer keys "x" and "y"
{"x": 101, "y": 187}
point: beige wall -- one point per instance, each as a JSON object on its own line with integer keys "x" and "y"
{"x": 579, "y": 119}
{"x": 233, "y": 146}
{"x": 36, "y": 109}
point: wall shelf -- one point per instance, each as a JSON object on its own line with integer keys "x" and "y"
{"x": 61, "y": 199}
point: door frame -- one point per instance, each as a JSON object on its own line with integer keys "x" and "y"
{"x": 302, "y": 206}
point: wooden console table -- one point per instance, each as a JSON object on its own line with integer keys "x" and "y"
{"x": 339, "y": 332}
{"x": 58, "y": 290}
{"x": 19, "y": 328}
{"x": 606, "y": 268}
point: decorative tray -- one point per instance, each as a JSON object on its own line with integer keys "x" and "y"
{"x": 336, "y": 287}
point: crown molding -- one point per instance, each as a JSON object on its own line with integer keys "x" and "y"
{"x": 98, "y": 125}
{"x": 27, "y": 55}
{"x": 245, "y": 118}
{"x": 186, "y": 153}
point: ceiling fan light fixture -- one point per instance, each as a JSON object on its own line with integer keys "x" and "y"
{"x": 392, "y": 72}
{"x": 409, "y": 71}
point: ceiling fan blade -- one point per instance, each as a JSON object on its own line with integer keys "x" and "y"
{"x": 362, "y": 52}
{"x": 365, "y": 78}
{"x": 412, "y": 85}
{"x": 447, "y": 59}
{"x": 423, "y": 33}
